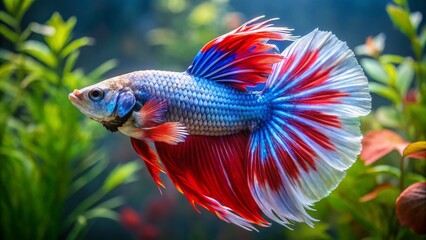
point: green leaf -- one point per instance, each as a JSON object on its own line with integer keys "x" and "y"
{"x": 62, "y": 34}
{"x": 10, "y": 5}
{"x": 414, "y": 177}
{"x": 88, "y": 176}
{"x": 303, "y": 231}
{"x": 112, "y": 203}
{"x": 375, "y": 70}
{"x": 8, "y": 33}
{"x": 9, "y": 87}
{"x": 401, "y": 19}
{"x": 9, "y": 20}
{"x": 80, "y": 224}
{"x": 75, "y": 45}
{"x": 416, "y": 19}
{"x": 415, "y": 147}
{"x": 7, "y": 69}
{"x": 391, "y": 72}
{"x": 101, "y": 213}
{"x": 380, "y": 169}
{"x": 384, "y": 91}
{"x": 405, "y": 76}
{"x": 70, "y": 62}
{"x": 23, "y": 7}
{"x": 422, "y": 38}
{"x": 417, "y": 112}
{"x": 389, "y": 58}
{"x": 42, "y": 29}
{"x": 121, "y": 174}
{"x": 39, "y": 51}
{"x": 389, "y": 117}
{"x": 402, "y": 3}
{"x": 30, "y": 78}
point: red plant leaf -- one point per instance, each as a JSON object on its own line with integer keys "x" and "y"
{"x": 412, "y": 96}
{"x": 378, "y": 143}
{"x": 373, "y": 193}
{"x": 411, "y": 207}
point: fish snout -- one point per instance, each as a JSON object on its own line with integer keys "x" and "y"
{"x": 75, "y": 96}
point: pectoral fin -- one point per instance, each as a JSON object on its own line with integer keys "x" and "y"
{"x": 152, "y": 113}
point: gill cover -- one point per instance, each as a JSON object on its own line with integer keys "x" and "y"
{"x": 126, "y": 102}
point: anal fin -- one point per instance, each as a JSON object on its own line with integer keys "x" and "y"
{"x": 150, "y": 158}
{"x": 212, "y": 172}
{"x": 169, "y": 132}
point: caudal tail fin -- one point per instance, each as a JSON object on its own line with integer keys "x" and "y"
{"x": 301, "y": 153}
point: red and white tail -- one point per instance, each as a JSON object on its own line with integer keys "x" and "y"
{"x": 300, "y": 155}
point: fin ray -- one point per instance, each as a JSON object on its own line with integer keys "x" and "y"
{"x": 150, "y": 158}
{"x": 169, "y": 132}
{"x": 152, "y": 113}
{"x": 211, "y": 172}
{"x": 240, "y": 51}
{"x": 301, "y": 153}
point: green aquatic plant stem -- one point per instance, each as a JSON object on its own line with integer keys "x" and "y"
{"x": 401, "y": 175}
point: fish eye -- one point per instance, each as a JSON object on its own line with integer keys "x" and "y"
{"x": 96, "y": 94}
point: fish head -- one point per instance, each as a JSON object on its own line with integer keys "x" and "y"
{"x": 109, "y": 102}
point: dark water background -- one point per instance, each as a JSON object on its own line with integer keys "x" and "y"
{"x": 114, "y": 24}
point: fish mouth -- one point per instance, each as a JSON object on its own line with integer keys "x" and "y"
{"x": 75, "y": 96}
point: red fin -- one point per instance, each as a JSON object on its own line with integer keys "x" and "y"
{"x": 150, "y": 158}
{"x": 212, "y": 172}
{"x": 169, "y": 132}
{"x": 152, "y": 113}
{"x": 241, "y": 58}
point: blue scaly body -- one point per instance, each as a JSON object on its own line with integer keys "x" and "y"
{"x": 203, "y": 106}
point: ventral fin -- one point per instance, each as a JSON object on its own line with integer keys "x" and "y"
{"x": 241, "y": 58}
{"x": 169, "y": 132}
{"x": 212, "y": 172}
{"x": 150, "y": 158}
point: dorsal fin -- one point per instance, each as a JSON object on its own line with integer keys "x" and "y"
{"x": 241, "y": 58}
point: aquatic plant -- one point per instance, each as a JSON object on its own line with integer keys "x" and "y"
{"x": 400, "y": 126}
{"x": 48, "y": 152}
{"x": 182, "y": 22}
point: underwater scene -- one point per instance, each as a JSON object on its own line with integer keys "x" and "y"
{"x": 215, "y": 119}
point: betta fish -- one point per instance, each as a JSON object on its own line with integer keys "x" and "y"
{"x": 246, "y": 132}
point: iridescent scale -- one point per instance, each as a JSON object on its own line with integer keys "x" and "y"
{"x": 205, "y": 107}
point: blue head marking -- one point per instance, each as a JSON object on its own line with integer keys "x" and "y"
{"x": 112, "y": 102}
{"x": 126, "y": 102}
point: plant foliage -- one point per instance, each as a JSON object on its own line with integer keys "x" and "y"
{"x": 47, "y": 148}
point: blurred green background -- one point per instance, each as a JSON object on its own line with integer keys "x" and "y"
{"x": 65, "y": 177}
